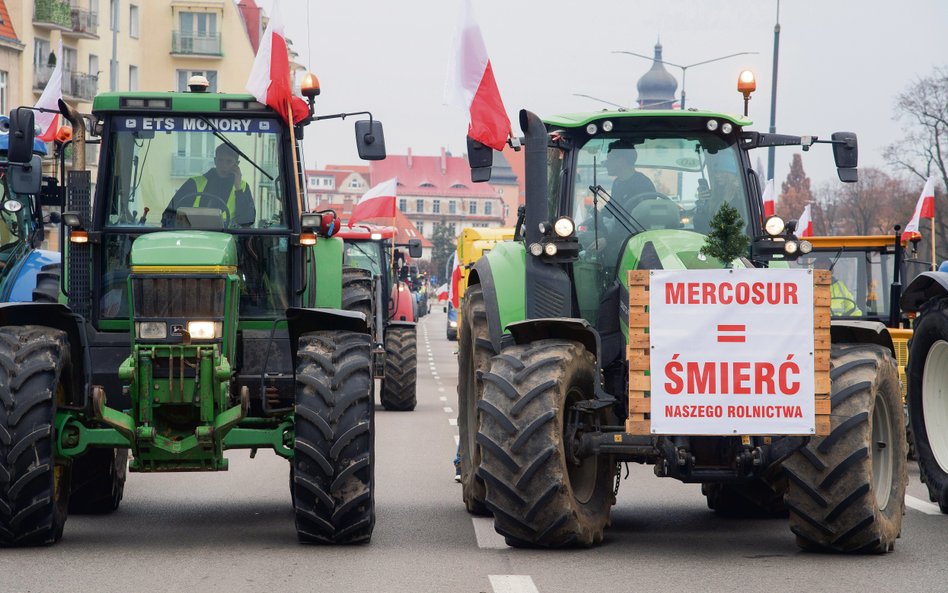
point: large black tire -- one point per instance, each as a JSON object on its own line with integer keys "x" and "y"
{"x": 847, "y": 490}
{"x": 47, "y": 284}
{"x": 539, "y": 493}
{"x": 401, "y": 369}
{"x": 333, "y": 473}
{"x": 34, "y": 484}
{"x": 98, "y": 481}
{"x": 474, "y": 353}
{"x": 757, "y": 499}
{"x": 927, "y": 376}
{"x": 357, "y": 293}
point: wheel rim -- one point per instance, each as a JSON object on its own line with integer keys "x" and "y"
{"x": 582, "y": 475}
{"x": 935, "y": 401}
{"x": 883, "y": 451}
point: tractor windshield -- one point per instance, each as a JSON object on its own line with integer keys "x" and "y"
{"x": 363, "y": 254}
{"x": 625, "y": 186}
{"x": 861, "y": 280}
{"x": 197, "y": 172}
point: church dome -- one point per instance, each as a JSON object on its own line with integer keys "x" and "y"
{"x": 657, "y": 87}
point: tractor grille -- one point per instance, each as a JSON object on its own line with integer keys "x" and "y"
{"x": 178, "y": 297}
{"x": 901, "y": 355}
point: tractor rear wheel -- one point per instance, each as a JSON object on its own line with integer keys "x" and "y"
{"x": 357, "y": 294}
{"x": 333, "y": 473}
{"x": 928, "y": 399}
{"x": 401, "y": 368}
{"x": 847, "y": 490}
{"x": 34, "y": 484}
{"x": 47, "y": 284}
{"x": 98, "y": 481}
{"x": 540, "y": 491}
{"x": 474, "y": 353}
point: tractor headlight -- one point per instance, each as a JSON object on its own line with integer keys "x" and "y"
{"x": 564, "y": 226}
{"x": 550, "y": 249}
{"x": 151, "y": 330}
{"x": 453, "y": 323}
{"x": 805, "y": 247}
{"x": 536, "y": 249}
{"x": 204, "y": 330}
{"x": 774, "y": 226}
{"x": 790, "y": 247}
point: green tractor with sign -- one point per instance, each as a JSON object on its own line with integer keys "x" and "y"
{"x": 553, "y": 346}
{"x": 204, "y": 315}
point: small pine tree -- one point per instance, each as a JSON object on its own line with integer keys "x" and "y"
{"x": 727, "y": 240}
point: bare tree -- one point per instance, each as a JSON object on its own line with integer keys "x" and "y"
{"x": 795, "y": 195}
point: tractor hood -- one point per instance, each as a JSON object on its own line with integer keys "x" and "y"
{"x": 184, "y": 249}
{"x": 668, "y": 250}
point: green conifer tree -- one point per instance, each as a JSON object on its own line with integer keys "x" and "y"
{"x": 727, "y": 240}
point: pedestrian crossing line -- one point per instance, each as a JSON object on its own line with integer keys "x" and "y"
{"x": 922, "y": 506}
{"x": 453, "y": 421}
{"x": 512, "y": 583}
{"x": 487, "y": 538}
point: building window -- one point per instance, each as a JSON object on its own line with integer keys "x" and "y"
{"x": 452, "y": 207}
{"x": 133, "y": 78}
{"x": 3, "y": 91}
{"x": 453, "y": 227}
{"x": 488, "y": 208}
{"x": 41, "y": 53}
{"x": 472, "y": 207}
{"x": 419, "y": 205}
{"x": 403, "y": 204}
{"x": 436, "y": 206}
{"x": 184, "y": 75}
{"x": 421, "y": 228}
{"x": 133, "y": 21}
{"x": 93, "y": 65}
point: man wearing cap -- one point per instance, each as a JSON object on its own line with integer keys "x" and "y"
{"x": 221, "y": 186}
{"x": 630, "y": 186}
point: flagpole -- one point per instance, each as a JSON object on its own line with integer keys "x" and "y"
{"x": 934, "y": 263}
{"x": 296, "y": 171}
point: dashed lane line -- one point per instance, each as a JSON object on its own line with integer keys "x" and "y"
{"x": 448, "y": 410}
{"x": 487, "y": 538}
{"x": 453, "y": 421}
{"x": 921, "y": 506}
{"x": 512, "y": 583}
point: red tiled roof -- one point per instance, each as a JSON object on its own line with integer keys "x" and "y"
{"x": 363, "y": 169}
{"x": 6, "y": 27}
{"x": 428, "y": 170}
{"x": 250, "y": 13}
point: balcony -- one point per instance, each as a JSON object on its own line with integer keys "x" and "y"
{"x": 75, "y": 84}
{"x": 85, "y": 24}
{"x": 186, "y": 43}
{"x": 52, "y": 14}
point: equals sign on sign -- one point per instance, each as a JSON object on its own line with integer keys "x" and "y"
{"x": 732, "y": 333}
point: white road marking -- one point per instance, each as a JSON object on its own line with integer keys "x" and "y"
{"x": 457, "y": 440}
{"x": 922, "y": 506}
{"x": 443, "y": 398}
{"x": 512, "y": 583}
{"x": 448, "y": 410}
{"x": 453, "y": 421}
{"x": 441, "y": 389}
{"x": 487, "y": 538}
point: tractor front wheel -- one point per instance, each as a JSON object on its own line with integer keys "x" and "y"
{"x": 401, "y": 368}
{"x": 542, "y": 493}
{"x": 928, "y": 399}
{"x": 847, "y": 490}
{"x": 34, "y": 483}
{"x": 333, "y": 473}
{"x": 98, "y": 481}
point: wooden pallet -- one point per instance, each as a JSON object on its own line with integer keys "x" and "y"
{"x": 638, "y": 422}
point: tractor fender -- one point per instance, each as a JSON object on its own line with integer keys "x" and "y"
{"x": 24, "y": 281}
{"x": 402, "y": 303}
{"x": 400, "y": 324}
{"x": 850, "y": 331}
{"x": 503, "y": 266}
{"x": 57, "y": 316}
{"x": 303, "y": 320}
{"x": 925, "y": 287}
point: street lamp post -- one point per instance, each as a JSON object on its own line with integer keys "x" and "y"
{"x": 773, "y": 96}
{"x": 684, "y": 68}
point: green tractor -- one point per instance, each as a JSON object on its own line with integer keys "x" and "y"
{"x": 204, "y": 314}
{"x": 544, "y": 369}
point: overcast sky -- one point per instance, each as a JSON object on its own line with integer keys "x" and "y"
{"x": 842, "y": 62}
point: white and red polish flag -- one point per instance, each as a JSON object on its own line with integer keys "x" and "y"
{"x": 770, "y": 201}
{"x": 454, "y": 294}
{"x": 805, "y": 224}
{"x": 378, "y": 202}
{"x": 924, "y": 208}
{"x": 45, "y": 121}
{"x": 471, "y": 84}
{"x": 269, "y": 80}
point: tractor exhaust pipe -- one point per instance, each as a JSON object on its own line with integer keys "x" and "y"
{"x": 78, "y": 135}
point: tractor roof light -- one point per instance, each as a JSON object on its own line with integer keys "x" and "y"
{"x": 774, "y": 226}
{"x": 309, "y": 86}
{"x": 564, "y": 227}
{"x": 376, "y": 236}
{"x": 712, "y": 125}
{"x": 746, "y": 84}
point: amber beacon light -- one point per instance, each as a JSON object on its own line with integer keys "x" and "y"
{"x": 746, "y": 84}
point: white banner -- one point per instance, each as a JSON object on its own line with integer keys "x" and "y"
{"x": 731, "y": 352}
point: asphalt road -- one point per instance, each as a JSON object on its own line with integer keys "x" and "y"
{"x": 233, "y": 531}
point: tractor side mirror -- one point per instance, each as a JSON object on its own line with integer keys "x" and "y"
{"x": 370, "y": 140}
{"x": 22, "y": 133}
{"x": 846, "y": 154}
{"x": 480, "y": 157}
{"x": 414, "y": 248}
{"x": 25, "y": 178}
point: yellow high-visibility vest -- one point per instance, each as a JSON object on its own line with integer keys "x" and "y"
{"x": 201, "y": 182}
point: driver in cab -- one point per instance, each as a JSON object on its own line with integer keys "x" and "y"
{"x": 221, "y": 187}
